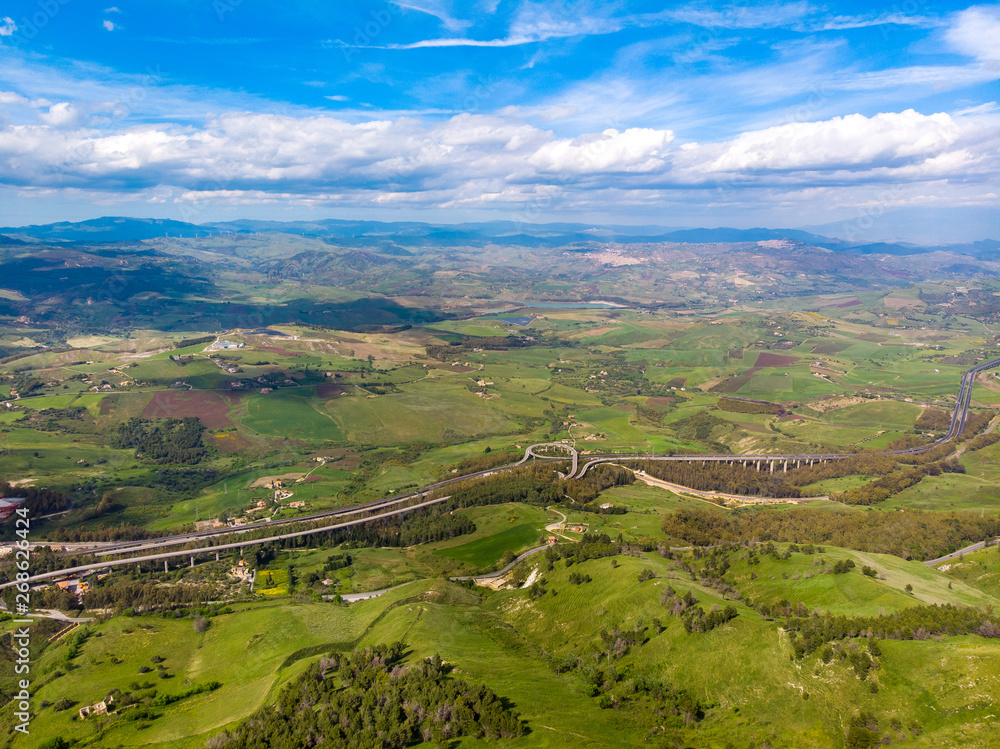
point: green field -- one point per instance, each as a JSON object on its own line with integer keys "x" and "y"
{"x": 486, "y": 551}
{"x": 289, "y": 413}
{"x": 979, "y": 569}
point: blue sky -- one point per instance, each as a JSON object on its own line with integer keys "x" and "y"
{"x": 779, "y": 114}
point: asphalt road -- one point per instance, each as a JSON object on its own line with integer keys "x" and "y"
{"x": 960, "y": 552}
{"x": 213, "y": 549}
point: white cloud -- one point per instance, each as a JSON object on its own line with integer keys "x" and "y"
{"x": 337, "y": 97}
{"x": 110, "y": 25}
{"x": 539, "y": 22}
{"x": 60, "y": 115}
{"x": 854, "y": 141}
{"x": 9, "y": 97}
{"x": 492, "y": 161}
{"x": 7, "y": 26}
{"x": 635, "y": 150}
{"x": 112, "y": 9}
{"x": 438, "y": 10}
{"x": 976, "y": 32}
{"x": 741, "y": 16}
{"x": 841, "y": 23}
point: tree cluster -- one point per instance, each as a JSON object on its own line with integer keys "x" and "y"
{"x": 423, "y": 526}
{"x": 601, "y": 477}
{"x": 749, "y": 406}
{"x": 591, "y": 546}
{"x": 532, "y": 485}
{"x": 38, "y": 499}
{"x": 934, "y": 420}
{"x": 486, "y": 461}
{"x": 184, "y": 343}
{"x": 370, "y": 699}
{"x": 808, "y": 634}
{"x": 913, "y": 534}
{"x": 491, "y": 343}
{"x": 161, "y": 440}
{"x": 146, "y": 595}
{"x": 722, "y": 477}
{"x": 888, "y": 486}
{"x": 694, "y": 617}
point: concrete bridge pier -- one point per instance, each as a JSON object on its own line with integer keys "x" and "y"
{"x": 772, "y": 466}
{"x": 192, "y": 560}
{"x": 216, "y": 556}
{"x": 165, "y": 566}
{"x": 785, "y": 469}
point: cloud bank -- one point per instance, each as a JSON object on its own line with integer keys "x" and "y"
{"x": 485, "y": 161}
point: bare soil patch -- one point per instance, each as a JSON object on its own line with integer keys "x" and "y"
{"x": 764, "y": 359}
{"x": 767, "y": 359}
{"x": 285, "y": 477}
{"x": 212, "y": 409}
{"x": 108, "y": 404}
{"x": 660, "y": 400}
{"x": 593, "y": 332}
{"x": 733, "y": 384}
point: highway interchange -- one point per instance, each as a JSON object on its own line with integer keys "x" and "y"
{"x": 393, "y": 506}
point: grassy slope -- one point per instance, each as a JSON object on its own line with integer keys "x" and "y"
{"x": 980, "y": 569}
{"x": 245, "y": 651}
{"x": 745, "y": 665}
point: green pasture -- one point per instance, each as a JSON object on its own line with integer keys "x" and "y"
{"x": 646, "y": 505}
{"x": 946, "y": 493}
{"x": 881, "y": 414}
{"x": 82, "y": 400}
{"x": 486, "y": 551}
{"x": 978, "y": 569}
{"x": 448, "y": 621}
{"x": 250, "y": 651}
{"x": 801, "y": 578}
{"x": 59, "y": 456}
{"x": 423, "y": 411}
{"x": 289, "y": 413}
{"x": 832, "y": 486}
{"x": 499, "y": 528}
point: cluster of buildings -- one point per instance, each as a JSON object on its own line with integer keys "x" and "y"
{"x": 224, "y": 345}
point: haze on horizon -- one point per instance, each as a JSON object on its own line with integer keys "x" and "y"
{"x": 786, "y": 114}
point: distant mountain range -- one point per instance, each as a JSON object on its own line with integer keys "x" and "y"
{"x": 415, "y": 234}
{"x": 923, "y": 225}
